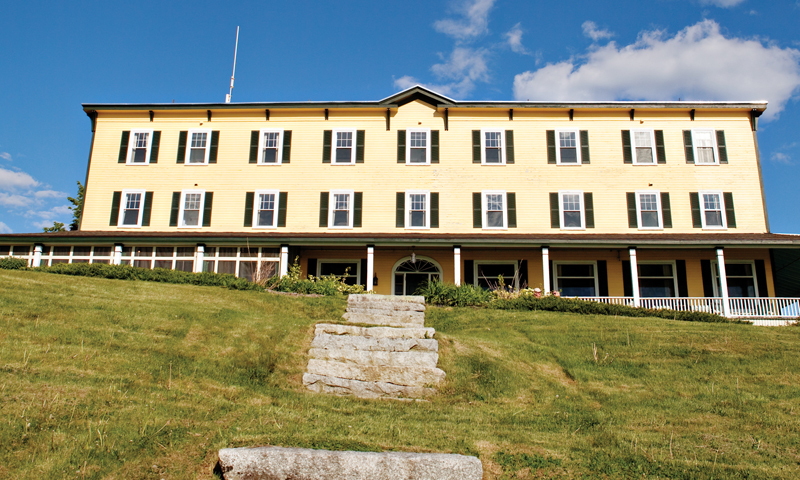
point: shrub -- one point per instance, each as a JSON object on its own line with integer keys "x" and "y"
{"x": 326, "y": 285}
{"x": 13, "y": 263}
{"x": 438, "y": 293}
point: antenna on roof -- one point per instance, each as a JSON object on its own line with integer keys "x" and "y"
{"x": 235, "y": 49}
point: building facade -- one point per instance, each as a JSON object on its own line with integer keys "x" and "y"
{"x": 617, "y": 200}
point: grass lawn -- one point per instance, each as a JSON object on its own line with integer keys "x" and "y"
{"x": 125, "y": 380}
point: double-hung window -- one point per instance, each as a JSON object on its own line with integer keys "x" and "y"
{"x": 568, "y": 150}
{"x": 344, "y": 147}
{"x": 495, "y": 213}
{"x": 191, "y": 208}
{"x": 657, "y": 279}
{"x": 712, "y": 209}
{"x": 270, "y": 147}
{"x": 492, "y": 147}
{"x": 265, "y": 213}
{"x": 340, "y": 213}
{"x": 643, "y": 147}
{"x": 198, "y": 150}
{"x": 130, "y": 215}
{"x": 576, "y": 279}
{"x": 346, "y": 270}
{"x": 418, "y": 209}
{"x": 741, "y": 279}
{"x": 487, "y": 274}
{"x": 648, "y": 207}
{"x": 705, "y": 147}
{"x": 572, "y": 211}
{"x": 139, "y": 145}
{"x": 418, "y": 150}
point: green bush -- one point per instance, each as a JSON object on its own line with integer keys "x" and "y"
{"x": 448, "y": 294}
{"x": 327, "y": 285}
{"x": 13, "y": 263}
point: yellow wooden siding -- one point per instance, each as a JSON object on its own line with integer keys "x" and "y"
{"x": 455, "y": 177}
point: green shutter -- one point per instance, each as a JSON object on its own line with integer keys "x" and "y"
{"x": 509, "y": 146}
{"x": 176, "y": 208}
{"x": 209, "y": 201}
{"x": 360, "y": 146}
{"x": 723, "y": 151}
{"x": 469, "y": 272}
{"x": 511, "y": 211}
{"x": 212, "y": 154}
{"x": 687, "y": 146}
{"x": 602, "y": 278}
{"x": 148, "y": 205}
{"x": 627, "y": 155}
{"x": 633, "y": 216}
{"x": 661, "y": 153}
{"x": 182, "y": 147}
{"x": 584, "y": 134}
{"x": 155, "y": 145}
{"x": 627, "y": 281}
{"x": 323, "y": 209}
{"x": 694, "y": 201}
{"x": 400, "y": 213}
{"x": 680, "y": 272}
{"x": 326, "y": 146}
{"x": 434, "y": 209}
{"x": 115, "y": 201}
{"x": 666, "y": 210}
{"x": 551, "y": 147}
{"x": 555, "y": 215}
{"x": 249, "y": 201}
{"x": 476, "y": 146}
{"x": 588, "y": 209}
{"x": 730, "y": 215}
{"x": 761, "y": 278}
{"x": 401, "y": 146}
{"x": 434, "y": 146}
{"x": 123, "y": 148}
{"x": 286, "y": 157}
{"x": 708, "y": 282}
{"x": 283, "y": 202}
{"x": 254, "y": 146}
{"x": 311, "y": 269}
{"x": 358, "y": 202}
{"x": 477, "y": 214}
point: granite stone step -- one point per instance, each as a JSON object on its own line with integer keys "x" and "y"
{"x": 374, "y": 332}
{"x": 387, "y": 320}
{"x": 324, "y": 340}
{"x": 408, "y": 376}
{"x": 344, "y": 386}
{"x": 377, "y": 359}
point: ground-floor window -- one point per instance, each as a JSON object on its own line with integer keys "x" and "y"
{"x": 487, "y": 274}
{"x": 741, "y": 277}
{"x": 347, "y": 270}
{"x": 411, "y": 273}
{"x": 251, "y": 263}
{"x": 657, "y": 280}
{"x": 576, "y": 279}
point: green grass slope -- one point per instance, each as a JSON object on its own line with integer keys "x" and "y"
{"x": 124, "y": 380}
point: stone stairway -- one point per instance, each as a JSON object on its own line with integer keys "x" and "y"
{"x": 395, "y": 359}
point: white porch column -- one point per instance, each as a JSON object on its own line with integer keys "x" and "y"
{"x": 199, "y": 256}
{"x": 37, "y": 255}
{"x": 370, "y": 266}
{"x": 117, "y": 258}
{"x": 634, "y": 276}
{"x": 546, "y": 268}
{"x": 457, "y": 264}
{"x": 284, "y": 260}
{"x": 723, "y": 282}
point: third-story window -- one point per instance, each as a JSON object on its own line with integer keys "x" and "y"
{"x": 344, "y": 146}
{"x": 493, "y": 153}
{"x": 139, "y": 150}
{"x": 131, "y": 215}
{"x": 417, "y": 209}
{"x": 568, "y": 152}
{"x": 192, "y": 208}
{"x": 494, "y": 210}
{"x": 572, "y": 213}
{"x": 418, "y": 142}
{"x": 197, "y": 152}
{"x": 712, "y": 208}
{"x": 643, "y": 147}
{"x": 704, "y": 147}
{"x": 649, "y": 209}
{"x": 266, "y": 209}
{"x": 270, "y": 147}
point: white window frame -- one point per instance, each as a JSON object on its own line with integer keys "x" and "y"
{"x": 183, "y": 205}
{"x": 703, "y": 210}
{"x": 332, "y": 204}
{"x": 499, "y": 131}
{"x": 357, "y": 273}
{"x": 660, "y": 262}
{"x": 427, "y": 132}
{"x": 561, "y": 194}
{"x": 477, "y": 263}
{"x": 124, "y": 201}
{"x": 188, "y": 154}
{"x": 577, "y": 146}
{"x": 279, "y": 155}
{"x": 557, "y": 288}
{"x": 652, "y": 146}
{"x": 657, "y": 193}
{"x": 713, "y": 142}
{"x": 352, "y": 151}
{"x": 484, "y": 211}
{"x": 407, "y": 222}
{"x": 257, "y": 203}
{"x": 129, "y": 158}
{"x": 717, "y": 280}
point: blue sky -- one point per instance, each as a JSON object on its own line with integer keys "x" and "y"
{"x": 56, "y": 55}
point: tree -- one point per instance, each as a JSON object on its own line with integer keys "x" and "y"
{"x": 57, "y": 227}
{"x": 77, "y": 209}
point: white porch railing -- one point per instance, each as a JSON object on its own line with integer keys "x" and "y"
{"x": 761, "y": 307}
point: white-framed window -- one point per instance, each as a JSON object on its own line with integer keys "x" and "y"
{"x": 343, "y": 150}
{"x": 643, "y": 147}
{"x": 571, "y": 210}
{"x": 131, "y": 209}
{"x": 340, "y": 209}
{"x": 348, "y": 270}
{"x": 198, "y": 147}
{"x": 139, "y": 144}
{"x": 418, "y": 209}
{"x": 741, "y": 276}
{"x": 495, "y": 209}
{"x": 493, "y": 147}
{"x": 487, "y": 274}
{"x": 418, "y": 146}
{"x": 712, "y": 210}
{"x": 648, "y": 209}
{"x": 191, "y": 212}
{"x": 265, "y": 210}
{"x": 657, "y": 279}
{"x": 568, "y": 147}
{"x": 576, "y": 279}
{"x": 704, "y": 143}
{"x": 270, "y": 146}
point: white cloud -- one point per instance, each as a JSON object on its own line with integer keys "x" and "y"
{"x": 698, "y": 63}
{"x": 514, "y": 39}
{"x": 590, "y": 30}
{"x": 50, "y": 194}
{"x": 779, "y": 157}
{"x": 11, "y": 180}
{"x": 721, "y": 3}
{"x": 57, "y": 211}
{"x": 5, "y": 228}
{"x": 5, "y": 156}
{"x": 463, "y": 68}
{"x": 43, "y": 224}
{"x": 14, "y": 200}
{"x": 474, "y": 23}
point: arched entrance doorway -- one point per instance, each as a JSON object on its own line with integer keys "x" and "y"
{"x": 407, "y": 276}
